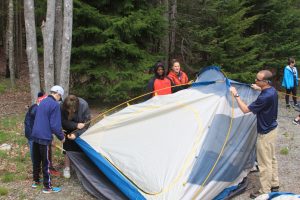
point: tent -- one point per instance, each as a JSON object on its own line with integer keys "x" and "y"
{"x": 192, "y": 144}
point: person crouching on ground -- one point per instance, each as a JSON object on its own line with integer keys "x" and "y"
{"x": 47, "y": 122}
{"x": 75, "y": 114}
{"x": 266, "y": 109}
{"x": 160, "y": 84}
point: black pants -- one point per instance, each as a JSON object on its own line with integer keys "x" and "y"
{"x": 288, "y": 92}
{"x": 41, "y": 156}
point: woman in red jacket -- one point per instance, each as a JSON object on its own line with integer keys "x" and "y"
{"x": 176, "y": 75}
{"x": 160, "y": 83}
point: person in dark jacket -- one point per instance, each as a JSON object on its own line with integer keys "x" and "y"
{"x": 75, "y": 115}
{"x": 160, "y": 84}
{"x": 47, "y": 122}
{"x": 29, "y": 120}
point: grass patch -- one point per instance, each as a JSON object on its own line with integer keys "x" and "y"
{"x": 3, "y": 191}
{"x": 286, "y": 134}
{"x": 10, "y": 123}
{"x": 3, "y": 154}
{"x": 2, "y": 88}
{"x": 8, "y": 177}
{"x": 284, "y": 151}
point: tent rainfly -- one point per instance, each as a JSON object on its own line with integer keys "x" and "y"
{"x": 193, "y": 144}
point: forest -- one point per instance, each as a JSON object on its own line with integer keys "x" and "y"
{"x": 101, "y": 49}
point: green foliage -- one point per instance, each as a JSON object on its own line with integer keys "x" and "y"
{"x": 284, "y": 151}
{"x": 3, "y": 191}
{"x": 115, "y": 42}
{"x": 241, "y": 36}
{"x": 7, "y": 177}
{"x": 113, "y": 48}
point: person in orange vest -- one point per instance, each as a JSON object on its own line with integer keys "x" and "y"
{"x": 177, "y": 75}
{"x": 160, "y": 84}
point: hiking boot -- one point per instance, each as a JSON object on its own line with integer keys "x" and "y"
{"x": 54, "y": 172}
{"x": 296, "y": 122}
{"x": 288, "y": 105}
{"x": 254, "y": 195}
{"x": 35, "y": 184}
{"x": 51, "y": 190}
{"x": 275, "y": 189}
{"x": 67, "y": 173}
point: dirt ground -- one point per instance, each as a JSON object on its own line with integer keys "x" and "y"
{"x": 288, "y": 154}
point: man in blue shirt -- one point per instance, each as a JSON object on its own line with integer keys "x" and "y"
{"x": 47, "y": 122}
{"x": 266, "y": 108}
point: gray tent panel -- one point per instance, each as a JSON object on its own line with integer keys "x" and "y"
{"x": 93, "y": 180}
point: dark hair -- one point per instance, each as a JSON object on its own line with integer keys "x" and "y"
{"x": 291, "y": 60}
{"x": 40, "y": 94}
{"x": 70, "y": 104}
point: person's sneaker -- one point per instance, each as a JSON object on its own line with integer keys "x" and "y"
{"x": 296, "y": 122}
{"x": 253, "y": 195}
{"x": 275, "y": 189}
{"x": 35, "y": 184}
{"x": 288, "y": 105}
{"x": 54, "y": 172}
{"x": 295, "y": 105}
{"x": 51, "y": 190}
{"x": 67, "y": 173}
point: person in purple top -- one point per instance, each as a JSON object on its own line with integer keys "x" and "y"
{"x": 265, "y": 107}
{"x": 47, "y": 122}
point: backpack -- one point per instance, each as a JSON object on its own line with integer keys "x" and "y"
{"x": 29, "y": 120}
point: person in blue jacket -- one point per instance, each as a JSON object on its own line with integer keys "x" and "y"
{"x": 290, "y": 82}
{"x": 47, "y": 122}
{"x": 29, "y": 120}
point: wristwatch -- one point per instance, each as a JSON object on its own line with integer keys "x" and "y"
{"x": 236, "y": 95}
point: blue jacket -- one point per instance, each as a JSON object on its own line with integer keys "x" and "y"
{"x": 47, "y": 122}
{"x": 29, "y": 120}
{"x": 288, "y": 78}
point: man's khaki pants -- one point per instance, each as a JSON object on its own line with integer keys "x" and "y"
{"x": 267, "y": 162}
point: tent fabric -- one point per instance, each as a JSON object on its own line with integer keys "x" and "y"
{"x": 188, "y": 145}
{"x": 93, "y": 180}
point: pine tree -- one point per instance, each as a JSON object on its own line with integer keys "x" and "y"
{"x": 113, "y": 46}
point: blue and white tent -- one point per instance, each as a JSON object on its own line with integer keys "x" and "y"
{"x": 192, "y": 144}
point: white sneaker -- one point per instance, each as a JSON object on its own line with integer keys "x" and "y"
{"x": 67, "y": 173}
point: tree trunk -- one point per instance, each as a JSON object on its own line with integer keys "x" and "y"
{"x": 66, "y": 45}
{"x": 19, "y": 38}
{"x": 2, "y": 34}
{"x": 166, "y": 39}
{"x": 173, "y": 27}
{"x": 11, "y": 43}
{"x": 6, "y": 45}
{"x": 58, "y": 31}
{"x": 48, "y": 35}
{"x": 31, "y": 49}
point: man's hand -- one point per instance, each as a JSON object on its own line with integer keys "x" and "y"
{"x": 255, "y": 87}
{"x": 80, "y": 125}
{"x": 233, "y": 90}
{"x": 71, "y": 136}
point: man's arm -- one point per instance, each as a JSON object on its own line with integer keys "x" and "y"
{"x": 243, "y": 106}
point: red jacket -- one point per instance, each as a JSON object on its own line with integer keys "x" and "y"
{"x": 159, "y": 84}
{"x": 179, "y": 79}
